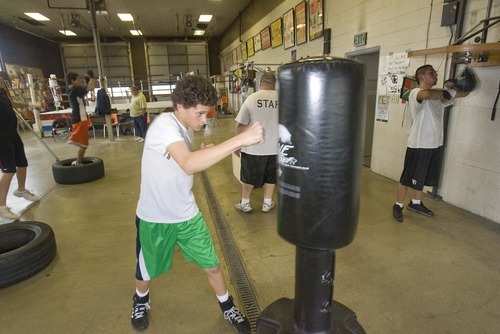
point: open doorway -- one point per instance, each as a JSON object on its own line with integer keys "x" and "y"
{"x": 369, "y": 57}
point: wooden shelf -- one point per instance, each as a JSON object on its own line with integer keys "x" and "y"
{"x": 488, "y": 51}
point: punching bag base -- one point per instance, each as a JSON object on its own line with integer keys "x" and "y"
{"x": 278, "y": 318}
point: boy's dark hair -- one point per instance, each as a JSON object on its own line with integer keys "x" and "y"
{"x": 420, "y": 71}
{"x": 70, "y": 76}
{"x": 192, "y": 90}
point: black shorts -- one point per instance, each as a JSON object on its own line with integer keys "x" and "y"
{"x": 258, "y": 169}
{"x": 422, "y": 167}
{"x": 12, "y": 154}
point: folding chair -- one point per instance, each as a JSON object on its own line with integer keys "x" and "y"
{"x": 114, "y": 124}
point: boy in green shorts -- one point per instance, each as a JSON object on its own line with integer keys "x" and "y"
{"x": 167, "y": 214}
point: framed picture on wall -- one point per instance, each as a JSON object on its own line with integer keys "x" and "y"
{"x": 244, "y": 54}
{"x": 301, "y": 23}
{"x": 235, "y": 57}
{"x": 238, "y": 55}
{"x": 256, "y": 42}
{"x": 277, "y": 33}
{"x": 288, "y": 29}
{"x": 265, "y": 38}
{"x": 250, "y": 48}
{"x": 316, "y": 13}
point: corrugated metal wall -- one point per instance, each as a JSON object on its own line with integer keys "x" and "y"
{"x": 20, "y": 48}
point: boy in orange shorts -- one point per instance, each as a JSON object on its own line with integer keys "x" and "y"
{"x": 77, "y": 91}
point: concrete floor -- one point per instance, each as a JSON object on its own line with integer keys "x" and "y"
{"x": 427, "y": 275}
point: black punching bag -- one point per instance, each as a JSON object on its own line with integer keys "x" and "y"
{"x": 322, "y": 117}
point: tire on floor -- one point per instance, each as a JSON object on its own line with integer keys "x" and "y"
{"x": 25, "y": 249}
{"x": 92, "y": 169}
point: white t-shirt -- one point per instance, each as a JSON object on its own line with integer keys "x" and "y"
{"x": 166, "y": 195}
{"x": 427, "y": 121}
{"x": 262, "y": 107}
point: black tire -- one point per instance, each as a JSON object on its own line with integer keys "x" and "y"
{"x": 25, "y": 249}
{"x": 92, "y": 169}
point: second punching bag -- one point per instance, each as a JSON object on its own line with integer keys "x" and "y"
{"x": 322, "y": 117}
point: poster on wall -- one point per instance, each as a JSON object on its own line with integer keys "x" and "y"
{"x": 265, "y": 38}
{"x": 276, "y": 33}
{"x": 394, "y": 83}
{"x": 390, "y": 84}
{"x": 244, "y": 55}
{"x": 18, "y": 74}
{"x": 383, "y": 108}
{"x": 301, "y": 23}
{"x": 288, "y": 29}
{"x": 250, "y": 48}
{"x": 394, "y": 63}
{"x": 315, "y": 19}
{"x": 256, "y": 43}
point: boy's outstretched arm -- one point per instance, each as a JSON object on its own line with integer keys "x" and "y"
{"x": 192, "y": 162}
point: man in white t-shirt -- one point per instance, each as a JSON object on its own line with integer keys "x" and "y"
{"x": 425, "y": 141}
{"x": 167, "y": 214}
{"x": 258, "y": 162}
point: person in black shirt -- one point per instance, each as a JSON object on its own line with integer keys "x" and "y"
{"x": 12, "y": 156}
{"x": 77, "y": 90}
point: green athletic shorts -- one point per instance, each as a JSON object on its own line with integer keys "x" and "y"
{"x": 155, "y": 246}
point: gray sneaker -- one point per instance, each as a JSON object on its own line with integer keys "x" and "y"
{"x": 243, "y": 207}
{"x": 27, "y": 195}
{"x": 7, "y": 214}
{"x": 268, "y": 207}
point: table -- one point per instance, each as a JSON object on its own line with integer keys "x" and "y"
{"x": 46, "y": 118}
{"x": 153, "y": 107}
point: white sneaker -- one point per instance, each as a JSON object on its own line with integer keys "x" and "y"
{"x": 7, "y": 214}
{"x": 268, "y": 207}
{"x": 26, "y": 194}
{"x": 137, "y": 138}
{"x": 140, "y": 140}
{"x": 243, "y": 207}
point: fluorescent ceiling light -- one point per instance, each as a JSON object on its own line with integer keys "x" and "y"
{"x": 199, "y": 32}
{"x": 125, "y": 17}
{"x": 205, "y": 18}
{"x": 67, "y": 32}
{"x": 37, "y": 16}
{"x": 136, "y": 32}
